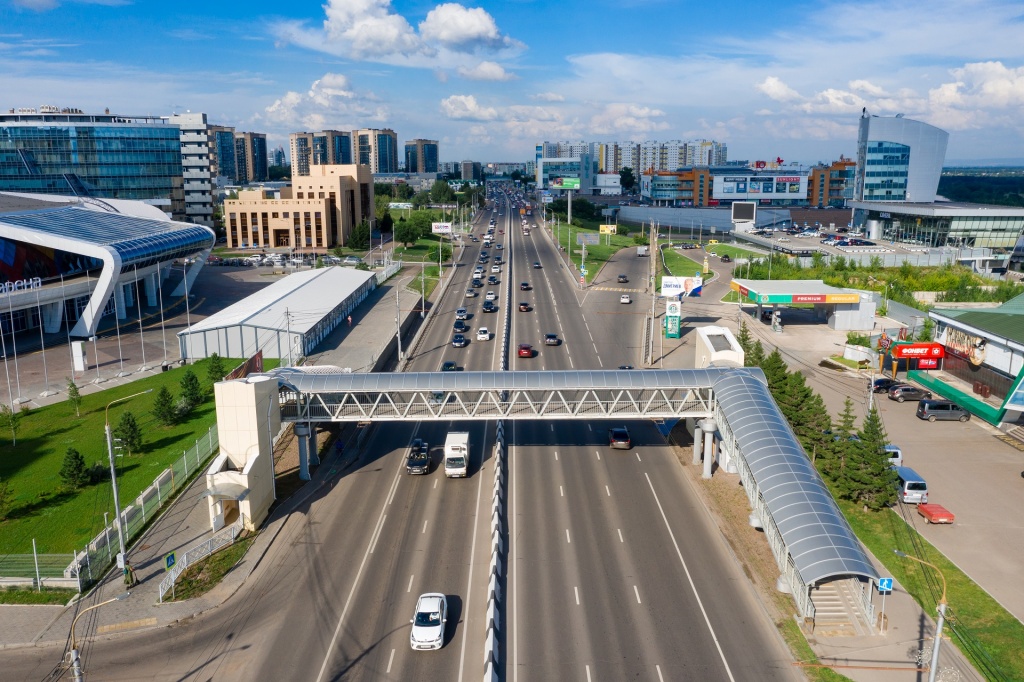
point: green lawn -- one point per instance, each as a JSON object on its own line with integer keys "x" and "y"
{"x": 63, "y": 521}
{"x": 421, "y": 250}
{"x": 430, "y": 280}
{"x": 684, "y": 263}
{"x": 597, "y": 254}
{"x": 1000, "y": 634}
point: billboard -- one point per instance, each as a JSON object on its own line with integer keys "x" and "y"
{"x": 760, "y": 187}
{"x": 743, "y": 211}
{"x": 400, "y": 205}
{"x": 441, "y": 228}
{"x": 674, "y": 309}
{"x": 564, "y": 183}
{"x": 607, "y": 229}
{"x": 681, "y": 286}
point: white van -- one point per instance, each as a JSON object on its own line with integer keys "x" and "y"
{"x": 912, "y": 488}
{"x": 893, "y": 454}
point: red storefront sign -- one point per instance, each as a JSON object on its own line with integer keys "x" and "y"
{"x": 927, "y": 363}
{"x": 808, "y": 298}
{"x": 919, "y": 350}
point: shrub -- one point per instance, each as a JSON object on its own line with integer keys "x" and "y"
{"x": 72, "y": 472}
{"x": 191, "y": 391}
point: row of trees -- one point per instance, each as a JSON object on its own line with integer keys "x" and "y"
{"x": 851, "y": 460}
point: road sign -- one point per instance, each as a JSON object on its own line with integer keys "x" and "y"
{"x": 885, "y": 584}
{"x": 583, "y": 271}
{"x": 169, "y": 561}
{"x": 585, "y": 238}
{"x": 583, "y": 280}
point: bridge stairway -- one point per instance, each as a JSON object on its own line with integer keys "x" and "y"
{"x": 837, "y": 609}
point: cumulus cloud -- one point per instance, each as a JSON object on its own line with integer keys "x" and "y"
{"x": 328, "y": 103}
{"x": 547, "y": 97}
{"x": 466, "y": 108}
{"x": 777, "y": 90}
{"x": 867, "y": 87}
{"x": 626, "y": 119}
{"x": 486, "y": 71}
{"x": 459, "y": 27}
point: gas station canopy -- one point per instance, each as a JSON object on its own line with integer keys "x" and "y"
{"x": 791, "y": 291}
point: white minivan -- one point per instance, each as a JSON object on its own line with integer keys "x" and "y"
{"x": 912, "y": 488}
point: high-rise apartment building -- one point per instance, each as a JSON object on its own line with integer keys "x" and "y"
{"x": 195, "y": 166}
{"x": 251, "y": 157}
{"x": 328, "y": 147}
{"x": 470, "y": 171}
{"x": 421, "y": 156}
{"x": 377, "y": 149}
{"x": 278, "y": 157}
{"x": 222, "y": 152}
{"x": 898, "y": 159}
{"x": 66, "y": 151}
{"x": 649, "y": 156}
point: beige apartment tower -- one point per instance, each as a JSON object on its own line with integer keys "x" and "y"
{"x": 316, "y": 213}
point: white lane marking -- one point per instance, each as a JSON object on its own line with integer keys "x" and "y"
{"x": 658, "y": 668}
{"x": 571, "y": 364}
{"x": 394, "y": 487}
{"x": 556, "y": 456}
{"x": 608, "y": 491}
{"x": 561, "y": 492}
{"x": 638, "y": 457}
{"x": 689, "y": 578}
{"x": 391, "y": 660}
{"x": 595, "y": 349}
{"x": 352, "y": 591}
{"x": 567, "y": 536}
{"x": 600, "y": 360}
{"x": 376, "y": 533}
{"x": 590, "y": 426}
{"x": 620, "y": 535}
{"x": 435, "y": 484}
{"x": 552, "y": 427}
{"x": 409, "y": 589}
{"x": 576, "y": 591}
{"x": 598, "y": 454}
{"x": 472, "y": 555}
{"x": 588, "y": 673}
{"x": 424, "y": 526}
{"x": 637, "y": 593}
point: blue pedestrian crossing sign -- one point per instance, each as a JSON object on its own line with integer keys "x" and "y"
{"x": 169, "y": 561}
{"x": 885, "y": 584}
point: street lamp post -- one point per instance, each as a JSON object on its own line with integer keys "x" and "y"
{"x": 934, "y": 666}
{"x": 76, "y": 659}
{"x": 113, "y": 468}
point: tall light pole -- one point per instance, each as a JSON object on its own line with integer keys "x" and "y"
{"x": 76, "y": 660}
{"x": 113, "y": 468}
{"x": 934, "y": 666}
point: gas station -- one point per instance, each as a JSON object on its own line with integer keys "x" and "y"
{"x": 841, "y": 309}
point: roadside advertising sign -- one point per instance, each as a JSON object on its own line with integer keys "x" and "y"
{"x": 919, "y": 350}
{"x": 608, "y": 229}
{"x": 564, "y": 183}
{"x": 441, "y": 228}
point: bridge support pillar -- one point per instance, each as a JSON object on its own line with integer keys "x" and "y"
{"x": 314, "y": 454}
{"x": 698, "y": 444}
{"x": 302, "y": 435}
{"x": 709, "y": 427}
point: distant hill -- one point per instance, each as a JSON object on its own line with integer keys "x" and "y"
{"x": 986, "y": 186}
{"x": 985, "y": 163}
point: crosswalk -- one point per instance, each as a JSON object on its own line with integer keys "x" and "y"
{"x": 621, "y": 290}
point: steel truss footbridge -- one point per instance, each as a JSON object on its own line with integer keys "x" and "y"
{"x": 809, "y": 537}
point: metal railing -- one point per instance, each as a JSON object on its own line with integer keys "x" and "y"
{"x": 223, "y": 538}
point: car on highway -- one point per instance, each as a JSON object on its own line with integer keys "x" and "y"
{"x": 470, "y": 293}
{"x": 459, "y": 341}
{"x": 492, "y": 280}
{"x": 491, "y": 296}
{"x": 459, "y": 327}
{"x": 622, "y": 279}
{"x": 461, "y": 314}
{"x": 726, "y": 258}
{"x": 903, "y": 392}
{"x": 524, "y": 307}
{"x": 536, "y": 265}
{"x": 489, "y": 307}
{"x": 449, "y": 366}
{"x": 524, "y": 350}
{"x": 477, "y": 283}
{"x": 618, "y": 438}
{"x": 625, "y": 299}
{"x": 428, "y": 622}
{"x": 552, "y": 340}
{"x": 495, "y": 268}
{"x": 483, "y": 334}
{"x": 479, "y": 271}
{"x": 524, "y": 286}
{"x": 417, "y": 461}
{"x": 498, "y": 246}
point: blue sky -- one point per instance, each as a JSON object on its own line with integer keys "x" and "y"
{"x": 490, "y": 80}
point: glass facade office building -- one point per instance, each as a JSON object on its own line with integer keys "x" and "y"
{"x": 898, "y": 159}
{"x": 96, "y": 156}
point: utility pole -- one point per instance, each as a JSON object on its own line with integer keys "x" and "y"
{"x": 398, "y": 324}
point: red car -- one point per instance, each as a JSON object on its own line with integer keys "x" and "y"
{"x": 525, "y": 350}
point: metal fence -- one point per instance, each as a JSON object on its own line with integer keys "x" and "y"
{"x": 223, "y": 538}
{"x": 89, "y": 564}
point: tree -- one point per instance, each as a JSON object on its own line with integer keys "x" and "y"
{"x": 215, "y": 366}
{"x": 626, "y": 179}
{"x": 129, "y": 433}
{"x": 75, "y": 397}
{"x": 11, "y": 419}
{"x": 744, "y": 338}
{"x": 406, "y": 232}
{"x": 441, "y": 192}
{"x": 381, "y": 204}
{"x": 815, "y": 428}
{"x": 386, "y": 222}
{"x": 163, "y": 407}
{"x": 6, "y": 499}
{"x": 792, "y": 396}
{"x": 756, "y": 356}
{"x": 873, "y": 480}
{"x": 843, "y": 452}
{"x": 191, "y": 390}
{"x": 405, "y": 192}
{"x": 72, "y": 471}
{"x": 775, "y": 371}
{"x": 420, "y": 199}
{"x": 360, "y": 237}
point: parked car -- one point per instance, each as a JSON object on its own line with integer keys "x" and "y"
{"x": 883, "y": 385}
{"x": 941, "y": 410}
{"x": 618, "y": 438}
{"x": 428, "y": 622}
{"x": 903, "y": 392}
{"x": 551, "y": 340}
{"x": 525, "y": 350}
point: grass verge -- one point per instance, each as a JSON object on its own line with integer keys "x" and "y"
{"x": 430, "y": 280}
{"x": 47, "y": 597}
{"x": 999, "y": 637}
{"x": 845, "y": 362}
{"x": 202, "y": 577}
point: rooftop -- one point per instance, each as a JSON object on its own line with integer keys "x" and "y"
{"x": 1006, "y": 321}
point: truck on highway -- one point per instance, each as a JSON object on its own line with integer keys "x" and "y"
{"x": 456, "y": 454}
{"x": 642, "y": 251}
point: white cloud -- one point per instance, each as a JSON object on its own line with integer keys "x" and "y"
{"x": 548, "y": 97}
{"x": 486, "y": 71}
{"x": 465, "y": 108}
{"x": 330, "y": 103}
{"x": 867, "y": 88}
{"x": 777, "y": 90}
{"x": 626, "y": 119}
{"x": 459, "y": 27}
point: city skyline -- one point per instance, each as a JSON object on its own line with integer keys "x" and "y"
{"x": 490, "y": 82}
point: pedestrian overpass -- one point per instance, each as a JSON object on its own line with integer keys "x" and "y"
{"x": 734, "y": 420}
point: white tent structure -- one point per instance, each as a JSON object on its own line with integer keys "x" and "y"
{"x": 285, "y": 320}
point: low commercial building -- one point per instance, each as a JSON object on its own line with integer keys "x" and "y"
{"x": 285, "y": 320}
{"x": 841, "y": 309}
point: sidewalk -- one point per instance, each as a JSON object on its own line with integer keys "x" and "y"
{"x": 186, "y": 522}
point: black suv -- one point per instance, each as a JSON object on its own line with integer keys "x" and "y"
{"x": 418, "y": 459}
{"x": 622, "y": 279}
{"x": 883, "y": 385}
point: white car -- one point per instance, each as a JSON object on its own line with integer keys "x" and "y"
{"x": 495, "y": 268}
{"x": 625, "y": 299}
{"x": 491, "y": 296}
{"x": 482, "y": 334}
{"x": 478, "y": 271}
{"x": 461, "y": 314}
{"x": 428, "y": 622}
